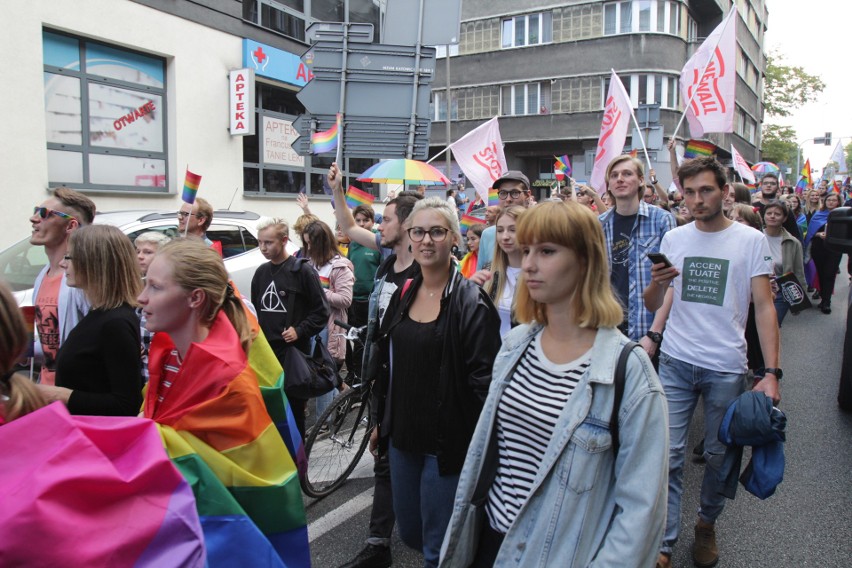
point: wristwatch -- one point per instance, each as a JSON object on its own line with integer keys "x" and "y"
{"x": 655, "y": 337}
{"x": 775, "y": 371}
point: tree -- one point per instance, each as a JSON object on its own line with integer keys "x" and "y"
{"x": 787, "y": 87}
{"x": 779, "y": 144}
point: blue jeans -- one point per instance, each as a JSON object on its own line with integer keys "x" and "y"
{"x": 781, "y": 308}
{"x": 422, "y": 501}
{"x": 683, "y": 384}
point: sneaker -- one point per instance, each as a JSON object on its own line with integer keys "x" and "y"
{"x": 372, "y": 556}
{"x": 664, "y": 561}
{"x": 816, "y": 295}
{"x": 705, "y": 553}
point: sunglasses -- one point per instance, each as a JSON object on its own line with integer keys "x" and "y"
{"x": 44, "y": 212}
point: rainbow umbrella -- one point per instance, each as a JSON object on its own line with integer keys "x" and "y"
{"x": 404, "y": 171}
{"x": 763, "y": 168}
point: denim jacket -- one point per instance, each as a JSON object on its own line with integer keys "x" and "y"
{"x": 583, "y": 509}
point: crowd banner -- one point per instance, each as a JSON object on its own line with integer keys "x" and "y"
{"x": 479, "y": 154}
{"x": 616, "y": 120}
{"x": 708, "y": 81}
{"x": 742, "y": 167}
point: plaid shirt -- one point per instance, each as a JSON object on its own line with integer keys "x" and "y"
{"x": 647, "y": 234}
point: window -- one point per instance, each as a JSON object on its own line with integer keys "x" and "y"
{"x": 479, "y": 36}
{"x": 576, "y": 94}
{"x": 532, "y": 98}
{"x": 571, "y": 23}
{"x": 647, "y": 89}
{"x": 661, "y": 16}
{"x": 439, "y": 106}
{"x": 105, "y": 116}
{"x": 291, "y": 17}
{"x": 531, "y": 29}
{"x": 477, "y": 103}
{"x": 746, "y": 126}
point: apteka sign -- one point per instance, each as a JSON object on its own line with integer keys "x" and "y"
{"x": 241, "y": 106}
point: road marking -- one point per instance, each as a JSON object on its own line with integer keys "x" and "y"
{"x": 337, "y": 517}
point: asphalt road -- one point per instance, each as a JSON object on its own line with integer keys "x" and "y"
{"x": 806, "y": 522}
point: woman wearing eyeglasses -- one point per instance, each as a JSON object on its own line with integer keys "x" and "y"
{"x": 438, "y": 346}
{"x": 98, "y": 368}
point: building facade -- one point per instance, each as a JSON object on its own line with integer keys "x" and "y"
{"x": 544, "y": 67}
{"x": 117, "y": 98}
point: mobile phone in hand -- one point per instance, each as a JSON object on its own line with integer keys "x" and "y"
{"x": 658, "y": 257}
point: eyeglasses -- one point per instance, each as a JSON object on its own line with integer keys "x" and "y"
{"x": 44, "y": 212}
{"x": 185, "y": 214}
{"x": 67, "y": 257}
{"x": 437, "y": 234}
{"x": 515, "y": 193}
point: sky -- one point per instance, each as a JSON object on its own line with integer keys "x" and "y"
{"x": 818, "y": 49}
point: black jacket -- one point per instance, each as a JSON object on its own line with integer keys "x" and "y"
{"x": 469, "y": 329}
{"x": 285, "y": 295}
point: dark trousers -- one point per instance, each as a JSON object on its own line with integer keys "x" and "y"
{"x": 827, "y": 262}
{"x": 382, "y": 518}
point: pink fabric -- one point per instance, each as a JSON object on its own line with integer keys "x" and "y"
{"x": 89, "y": 491}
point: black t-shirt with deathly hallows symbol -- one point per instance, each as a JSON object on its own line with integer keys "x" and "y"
{"x": 622, "y": 226}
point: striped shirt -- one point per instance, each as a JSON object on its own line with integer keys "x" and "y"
{"x": 527, "y": 414}
{"x": 170, "y": 372}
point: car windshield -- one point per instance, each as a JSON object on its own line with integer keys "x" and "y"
{"x": 21, "y": 263}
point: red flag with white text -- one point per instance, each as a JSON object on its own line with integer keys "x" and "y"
{"x": 616, "y": 119}
{"x": 711, "y": 74}
{"x": 479, "y": 154}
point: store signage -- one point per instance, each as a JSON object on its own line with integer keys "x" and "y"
{"x": 278, "y": 137}
{"x": 274, "y": 63}
{"x": 241, "y": 102}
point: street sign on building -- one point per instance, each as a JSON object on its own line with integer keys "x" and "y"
{"x": 440, "y": 22}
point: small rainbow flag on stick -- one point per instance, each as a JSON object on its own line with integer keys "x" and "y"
{"x": 356, "y": 197}
{"x": 190, "y": 187}
{"x": 493, "y": 198}
{"x": 326, "y": 141}
{"x": 563, "y": 164}
{"x": 467, "y": 221}
{"x": 696, "y": 148}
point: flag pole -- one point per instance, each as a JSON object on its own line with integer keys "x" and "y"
{"x": 704, "y": 70}
{"x": 429, "y": 161}
{"x": 635, "y": 122}
{"x": 186, "y": 227}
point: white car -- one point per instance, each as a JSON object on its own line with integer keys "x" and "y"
{"x": 236, "y": 230}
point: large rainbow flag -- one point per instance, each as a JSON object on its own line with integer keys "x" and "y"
{"x": 227, "y": 429}
{"x": 93, "y": 491}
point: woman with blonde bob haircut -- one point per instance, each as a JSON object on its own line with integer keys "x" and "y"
{"x": 577, "y": 478}
{"x": 98, "y": 368}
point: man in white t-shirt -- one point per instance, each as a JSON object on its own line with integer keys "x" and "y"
{"x": 718, "y": 266}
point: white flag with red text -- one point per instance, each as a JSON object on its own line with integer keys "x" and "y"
{"x": 479, "y": 154}
{"x": 742, "y": 166}
{"x": 616, "y": 119}
{"x": 711, "y": 75}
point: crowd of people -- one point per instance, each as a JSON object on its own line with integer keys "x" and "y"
{"x": 532, "y": 397}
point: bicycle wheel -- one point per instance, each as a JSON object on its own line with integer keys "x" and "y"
{"x": 334, "y": 453}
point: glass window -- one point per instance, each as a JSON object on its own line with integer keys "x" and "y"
{"x": 644, "y": 15}
{"x": 533, "y": 23}
{"x": 508, "y": 32}
{"x": 531, "y": 29}
{"x": 674, "y": 18}
{"x": 626, "y": 17}
{"x": 520, "y": 31}
{"x": 282, "y": 22}
{"x": 641, "y": 16}
{"x": 662, "y": 7}
{"x": 117, "y": 98}
{"x": 610, "y": 12}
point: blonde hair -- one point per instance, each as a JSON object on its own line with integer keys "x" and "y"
{"x": 573, "y": 226}
{"x": 195, "y": 266}
{"x": 442, "y": 208}
{"x": 151, "y": 237}
{"x": 105, "y": 266}
{"x": 24, "y": 396}
{"x": 501, "y": 259}
{"x": 303, "y": 221}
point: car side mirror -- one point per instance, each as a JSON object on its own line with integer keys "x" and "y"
{"x": 838, "y": 231}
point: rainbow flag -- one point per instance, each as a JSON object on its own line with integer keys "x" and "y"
{"x": 356, "y": 197}
{"x": 696, "y": 148}
{"x": 806, "y": 172}
{"x": 190, "y": 187}
{"x": 801, "y": 186}
{"x": 467, "y": 221}
{"x": 836, "y": 187}
{"x": 228, "y": 436}
{"x": 326, "y": 141}
{"x": 634, "y": 153}
{"x": 93, "y": 491}
{"x": 563, "y": 164}
{"x": 493, "y": 197}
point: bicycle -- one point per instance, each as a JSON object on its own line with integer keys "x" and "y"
{"x": 338, "y": 439}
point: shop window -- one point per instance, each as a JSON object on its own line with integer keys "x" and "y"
{"x": 105, "y": 116}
